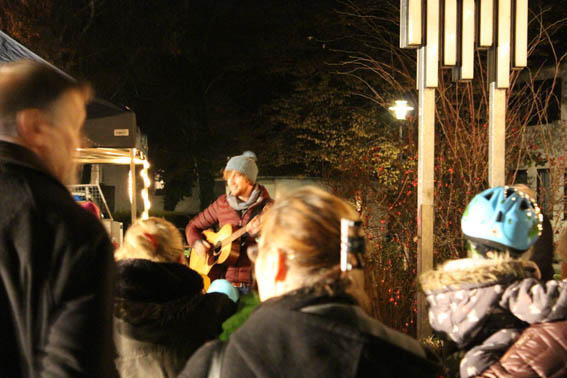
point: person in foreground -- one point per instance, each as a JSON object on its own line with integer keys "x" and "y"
{"x": 484, "y": 303}
{"x": 310, "y": 322}
{"x": 161, "y": 315}
{"x": 56, "y": 266}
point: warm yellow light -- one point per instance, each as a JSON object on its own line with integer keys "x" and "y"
{"x": 401, "y": 109}
{"x": 130, "y": 185}
{"x": 145, "y": 193}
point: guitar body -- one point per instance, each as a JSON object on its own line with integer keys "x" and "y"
{"x": 226, "y": 254}
{"x": 222, "y": 252}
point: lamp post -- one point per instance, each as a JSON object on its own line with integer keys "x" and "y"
{"x": 401, "y": 110}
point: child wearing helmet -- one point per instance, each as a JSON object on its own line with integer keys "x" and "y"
{"x": 472, "y": 301}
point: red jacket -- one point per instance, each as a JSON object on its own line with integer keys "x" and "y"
{"x": 220, "y": 212}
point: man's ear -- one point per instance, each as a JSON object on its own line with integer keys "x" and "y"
{"x": 281, "y": 267}
{"x": 30, "y": 124}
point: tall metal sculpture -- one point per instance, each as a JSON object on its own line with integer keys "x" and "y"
{"x": 446, "y": 33}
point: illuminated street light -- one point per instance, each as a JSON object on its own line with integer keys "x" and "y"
{"x": 401, "y": 109}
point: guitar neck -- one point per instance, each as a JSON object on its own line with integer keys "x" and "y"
{"x": 234, "y": 236}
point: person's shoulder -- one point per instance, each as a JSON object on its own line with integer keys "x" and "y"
{"x": 264, "y": 192}
{"x": 19, "y": 181}
{"x": 60, "y": 212}
{"x": 404, "y": 351}
{"x": 200, "y": 362}
{"x": 375, "y": 329}
{"x": 222, "y": 198}
{"x": 49, "y": 200}
{"x": 220, "y": 201}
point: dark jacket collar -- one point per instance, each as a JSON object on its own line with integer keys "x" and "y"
{"x": 299, "y": 299}
{"x": 16, "y": 154}
{"x": 298, "y": 326}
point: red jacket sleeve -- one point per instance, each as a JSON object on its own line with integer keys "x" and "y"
{"x": 205, "y": 219}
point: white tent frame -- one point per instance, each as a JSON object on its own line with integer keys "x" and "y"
{"x": 122, "y": 156}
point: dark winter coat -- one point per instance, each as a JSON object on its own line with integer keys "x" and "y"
{"x": 542, "y": 251}
{"x": 56, "y": 275}
{"x": 161, "y": 317}
{"x": 309, "y": 336}
{"x": 220, "y": 213}
{"x": 484, "y": 305}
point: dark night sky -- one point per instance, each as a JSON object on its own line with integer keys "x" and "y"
{"x": 207, "y": 77}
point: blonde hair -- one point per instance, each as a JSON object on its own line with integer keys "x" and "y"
{"x": 153, "y": 239}
{"x": 226, "y": 175}
{"x": 306, "y": 226}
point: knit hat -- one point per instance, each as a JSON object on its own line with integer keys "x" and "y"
{"x": 244, "y": 164}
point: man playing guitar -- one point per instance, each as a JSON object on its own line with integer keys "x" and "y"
{"x": 239, "y": 208}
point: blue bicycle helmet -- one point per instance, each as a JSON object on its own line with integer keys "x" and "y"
{"x": 503, "y": 218}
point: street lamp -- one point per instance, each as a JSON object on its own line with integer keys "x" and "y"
{"x": 401, "y": 109}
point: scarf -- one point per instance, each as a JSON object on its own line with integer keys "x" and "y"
{"x": 239, "y": 205}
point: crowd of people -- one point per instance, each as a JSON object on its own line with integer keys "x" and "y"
{"x": 291, "y": 303}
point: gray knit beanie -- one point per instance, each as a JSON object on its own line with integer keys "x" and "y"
{"x": 244, "y": 164}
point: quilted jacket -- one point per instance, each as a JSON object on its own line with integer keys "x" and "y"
{"x": 541, "y": 351}
{"x": 464, "y": 298}
{"x": 220, "y": 213}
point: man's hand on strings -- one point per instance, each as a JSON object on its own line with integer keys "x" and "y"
{"x": 202, "y": 247}
{"x": 253, "y": 227}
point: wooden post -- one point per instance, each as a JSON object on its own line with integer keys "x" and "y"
{"x": 499, "y": 75}
{"x": 425, "y": 190}
{"x": 497, "y": 136}
{"x": 428, "y": 79}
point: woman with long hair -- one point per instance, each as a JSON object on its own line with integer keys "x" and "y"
{"x": 310, "y": 322}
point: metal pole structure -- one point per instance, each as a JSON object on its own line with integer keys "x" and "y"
{"x": 444, "y": 32}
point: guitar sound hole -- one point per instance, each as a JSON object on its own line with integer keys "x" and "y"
{"x": 212, "y": 259}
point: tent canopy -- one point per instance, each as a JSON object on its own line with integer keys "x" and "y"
{"x": 107, "y": 124}
{"x": 113, "y": 135}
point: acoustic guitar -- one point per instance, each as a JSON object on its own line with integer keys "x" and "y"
{"x": 224, "y": 249}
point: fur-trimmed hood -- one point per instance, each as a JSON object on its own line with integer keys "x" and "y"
{"x": 475, "y": 273}
{"x": 464, "y": 296}
{"x": 154, "y": 301}
{"x": 161, "y": 317}
{"x": 147, "y": 281}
